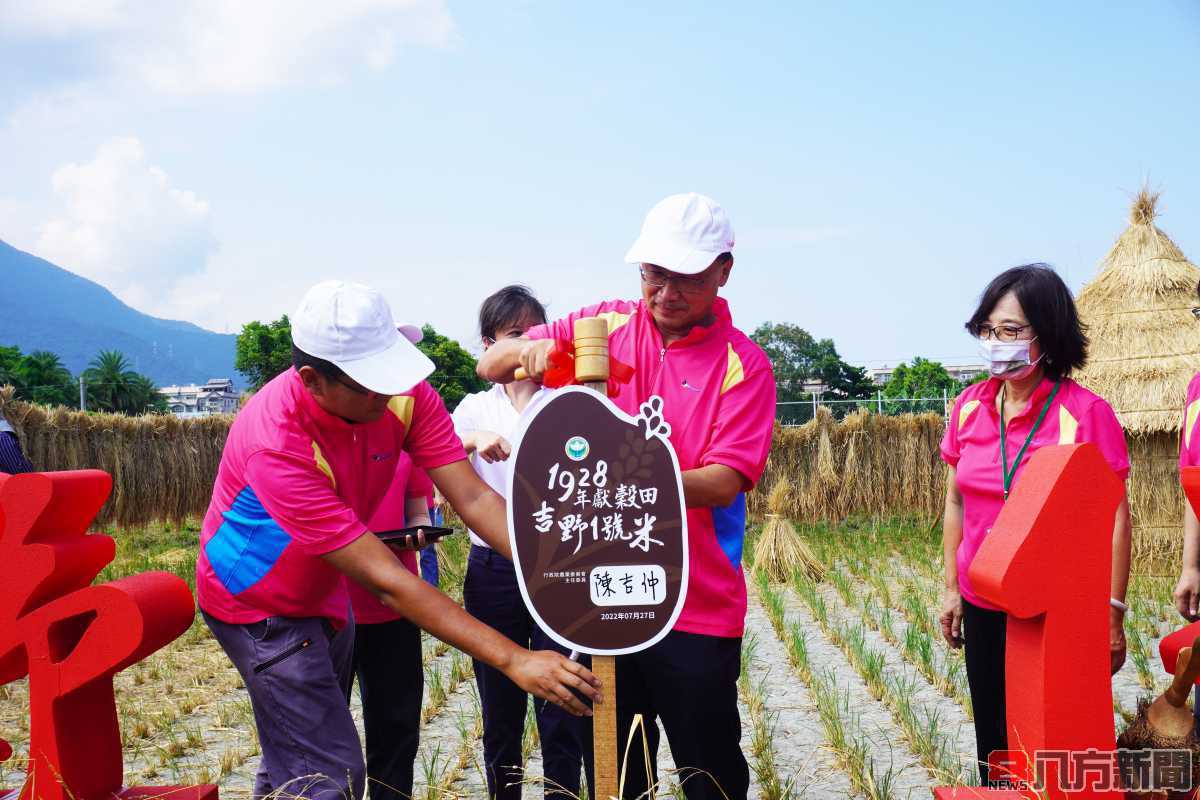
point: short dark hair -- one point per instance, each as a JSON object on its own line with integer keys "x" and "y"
{"x": 1050, "y": 309}
{"x": 323, "y": 367}
{"x": 512, "y": 304}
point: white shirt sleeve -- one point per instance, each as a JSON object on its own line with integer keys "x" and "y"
{"x": 464, "y": 416}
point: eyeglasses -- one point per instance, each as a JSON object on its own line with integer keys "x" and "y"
{"x": 1003, "y": 333}
{"x": 684, "y": 284}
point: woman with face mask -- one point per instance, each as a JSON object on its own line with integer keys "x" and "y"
{"x": 1030, "y": 336}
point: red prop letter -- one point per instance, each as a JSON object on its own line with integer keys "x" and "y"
{"x": 70, "y": 637}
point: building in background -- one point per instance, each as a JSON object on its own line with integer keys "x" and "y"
{"x": 960, "y": 372}
{"x": 215, "y": 397}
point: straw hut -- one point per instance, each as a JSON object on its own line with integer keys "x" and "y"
{"x": 1145, "y": 348}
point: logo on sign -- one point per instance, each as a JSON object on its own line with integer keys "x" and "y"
{"x": 578, "y": 448}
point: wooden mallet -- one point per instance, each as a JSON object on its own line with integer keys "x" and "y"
{"x": 1167, "y": 723}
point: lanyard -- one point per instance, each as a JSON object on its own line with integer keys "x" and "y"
{"x": 1009, "y": 476}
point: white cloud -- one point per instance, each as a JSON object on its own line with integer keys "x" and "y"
{"x": 123, "y": 224}
{"x": 198, "y": 46}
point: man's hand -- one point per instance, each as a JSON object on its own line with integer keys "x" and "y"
{"x": 1187, "y": 594}
{"x": 535, "y": 355}
{"x": 551, "y": 677}
{"x": 492, "y": 447}
{"x": 409, "y": 542}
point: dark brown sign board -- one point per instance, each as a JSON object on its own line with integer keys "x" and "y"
{"x": 597, "y": 523}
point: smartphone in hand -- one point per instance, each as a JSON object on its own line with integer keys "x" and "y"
{"x": 407, "y": 537}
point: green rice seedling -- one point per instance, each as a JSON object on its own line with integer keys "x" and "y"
{"x": 1140, "y": 658}
{"x": 797, "y": 646}
{"x": 193, "y": 738}
{"x": 879, "y": 582}
{"x": 231, "y": 759}
{"x": 887, "y": 627}
{"x": 762, "y": 757}
{"x": 842, "y": 585}
{"x": 873, "y": 664}
{"x": 850, "y": 749}
{"x": 528, "y": 734}
{"x": 435, "y": 689}
{"x": 432, "y": 770}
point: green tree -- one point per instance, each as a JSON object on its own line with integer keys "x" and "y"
{"x": 10, "y": 375}
{"x": 46, "y": 380}
{"x": 264, "y": 351}
{"x": 798, "y": 359}
{"x": 454, "y": 373}
{"x": 923, "y": 379}
{"x": 109, "y": 380}
{"x": 144, "y": 397}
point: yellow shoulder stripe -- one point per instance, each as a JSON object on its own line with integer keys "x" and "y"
{"x": 964, "y": 413}
{"x": 402, "y": 406}
{"x": 615, "y": 319}
{"x": 323, "y": 465}
{"x": 734, "y": 373}
{"x": 1067, "y": 426}
{"x": 1193, "y": 413}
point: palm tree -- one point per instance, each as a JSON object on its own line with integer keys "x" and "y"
{"x": 46, "y": 380}
{"x": 144, "y": 397}
{"x": 109, "y": 381}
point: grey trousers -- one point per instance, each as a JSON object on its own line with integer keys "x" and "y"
{"x": 297, "y": 671}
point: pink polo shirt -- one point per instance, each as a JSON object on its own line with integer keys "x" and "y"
{"x": 972, "y": 445}
{"x": 718, "y": 392}
{"x": 390, "y": 516}
{"x": 1189, "y": 439}
{"x": 296, "y": 482}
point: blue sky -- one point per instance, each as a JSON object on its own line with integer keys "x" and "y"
{"x": 881, "y": 162}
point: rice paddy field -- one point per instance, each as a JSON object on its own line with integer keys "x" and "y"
{"x": 846, "y": 691}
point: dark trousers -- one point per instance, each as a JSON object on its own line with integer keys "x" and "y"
{"x": 297, "y": 672}
{"x": 491, "y": 595}
{"x": 12, "y": 460}
{"x": 984, "y": 634}
{"x": 391, "y": 680}
{"x": 689, "y": 681}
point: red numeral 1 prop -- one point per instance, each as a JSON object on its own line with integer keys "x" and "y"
{"x": 70, "y": 637}
{"x": 1048, "y": 563}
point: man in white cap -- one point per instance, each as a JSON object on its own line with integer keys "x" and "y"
{"x": 718, "y": 392}
{"x": 307, "y": 462}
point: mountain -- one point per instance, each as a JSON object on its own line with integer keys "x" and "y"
{"x": 44, "y": 307}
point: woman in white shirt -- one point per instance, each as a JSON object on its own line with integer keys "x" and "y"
{"x": 485, "y": 421}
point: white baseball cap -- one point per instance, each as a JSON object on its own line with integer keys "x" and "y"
{"x": 683, "y": 233}
{"x": 351, "y": 326}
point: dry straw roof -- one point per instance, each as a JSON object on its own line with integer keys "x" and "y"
{"x": 1145, "y": 343}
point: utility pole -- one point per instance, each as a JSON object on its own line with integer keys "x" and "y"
{"x": 82, "y": 395}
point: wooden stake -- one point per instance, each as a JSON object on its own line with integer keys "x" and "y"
{"x": 591, "y": 370}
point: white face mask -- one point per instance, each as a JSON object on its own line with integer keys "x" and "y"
{"x": 1008, "y": 360}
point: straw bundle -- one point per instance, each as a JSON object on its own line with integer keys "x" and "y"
{"x": 1145, "y": 347}
{"x": 162, "y": 467}
{"x": 888, "y": 466}
{"x": 780, "y": 552}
